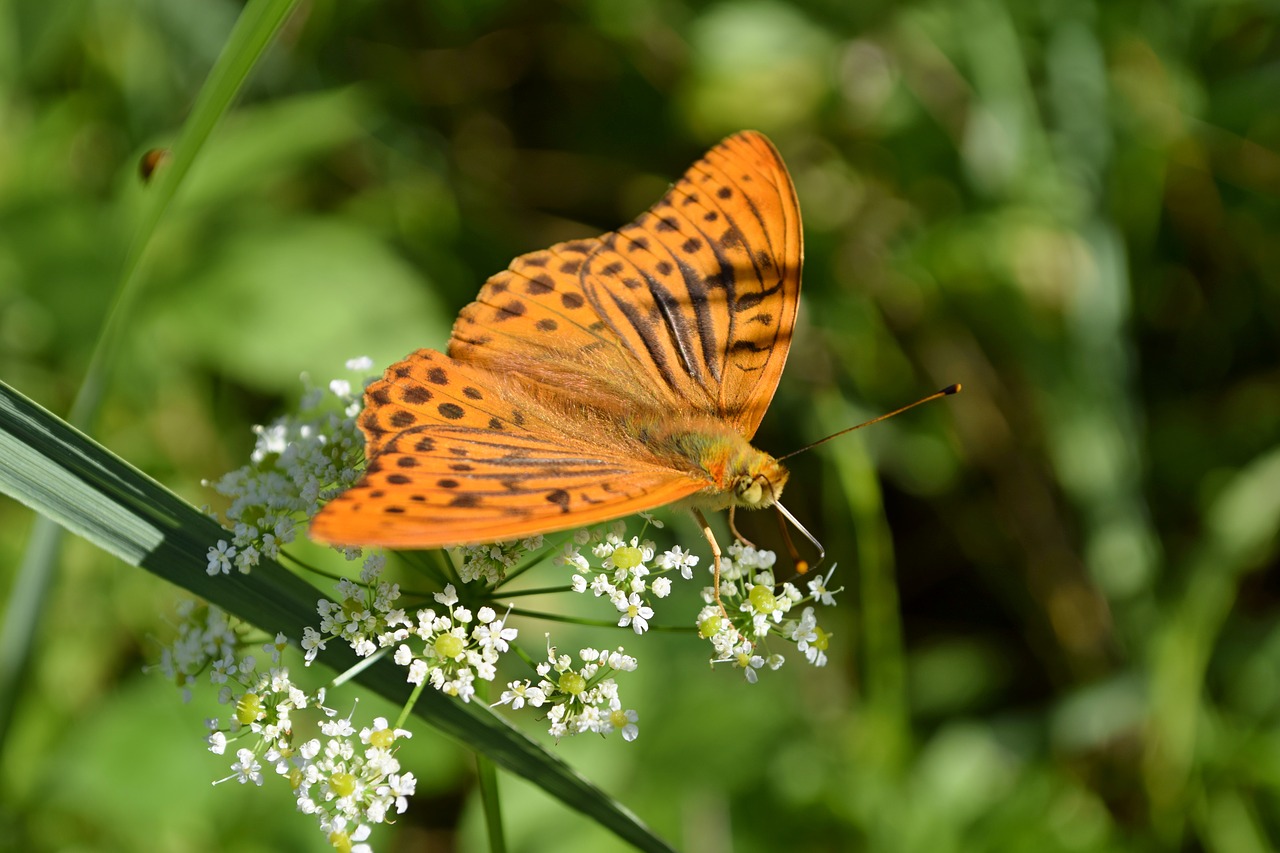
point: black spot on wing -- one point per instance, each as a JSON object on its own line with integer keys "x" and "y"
{"x": 560, "y": 498}
{"x": 415, "y": 395}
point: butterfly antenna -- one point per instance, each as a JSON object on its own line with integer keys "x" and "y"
{"x": 802, "y": 566}
{"x": 945, "y": 392}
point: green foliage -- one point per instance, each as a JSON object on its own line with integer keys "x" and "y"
{"x": 1060, "y": 625}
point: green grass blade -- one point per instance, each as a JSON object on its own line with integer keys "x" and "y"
{"x": 1241, "y": 534}
{"x": 61, "y": 473}
{"x": 250, "y": 37}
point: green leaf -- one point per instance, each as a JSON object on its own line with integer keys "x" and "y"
{"x": 59, "y": 472}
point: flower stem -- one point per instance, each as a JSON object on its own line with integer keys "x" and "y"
{"x": 487, "y": 776}
{"x": 408, "y": 706}
{"x": 542, "y": 590}
{"x": 598, "y": 623}
{"x": 361, "y": 667}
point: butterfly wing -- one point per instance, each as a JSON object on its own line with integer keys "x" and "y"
{"x": 689, "y": 309}
{"x": 686, "y": 312}
{"x": 707, "y": 281}
{"x": 454, "y": 461}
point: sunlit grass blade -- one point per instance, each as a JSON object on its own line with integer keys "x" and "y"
{"x": 1242, "y": 525}
{"x": 63, "y": 474}
{"x": 249, "y": 39}
{"x": 881, "y": 623}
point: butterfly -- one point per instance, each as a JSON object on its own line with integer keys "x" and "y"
{"x": 597, "y": 378}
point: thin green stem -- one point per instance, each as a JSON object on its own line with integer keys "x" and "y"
{"x": 596, "y": 623}
{"x": 408, "y": 706}
{"x": 542, "y": 590}
{"x": 525, "y": 656}
{"x": 441, "y": 572}
{"x": 487, "y": 776}
{"x": 361, "y": 667}
{"x": 303, "y": 565}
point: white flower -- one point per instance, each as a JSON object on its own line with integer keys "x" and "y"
{"x": 400, "y": 788}
{"x": 570, "y": 556}
{"x": 678, "y": 558}
{"x": 312, "y": 643}
{"x": 818, "y": 588}
{"x": 247, "y": 767}
{"x": 809, "y": 638}
{"x": 222, "y": 668}
{"x": 635, "y": 613}
{"x": 626, "y": 722}
{"x": 417, "y": 672}
{"x": 220, "y": 557}
{"x": 494, "y": 636}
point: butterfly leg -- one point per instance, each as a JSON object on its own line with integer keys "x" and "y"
{"x": 733, "y": 528}
{"x": 715, "y": 557}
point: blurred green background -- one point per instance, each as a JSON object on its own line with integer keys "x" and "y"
{"x": 1059, "y": 630}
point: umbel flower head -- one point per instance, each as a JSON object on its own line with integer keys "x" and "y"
{"x": 452, "y": 633}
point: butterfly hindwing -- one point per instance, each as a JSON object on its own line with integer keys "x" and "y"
{"x": 429, "y": 388}
{"x": 433, "y": 486}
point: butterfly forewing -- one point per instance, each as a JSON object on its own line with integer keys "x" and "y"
{"x": 688, "y": 308}
{"x": 703, "y": 286}
{"x": 766, "y": 250}
{"x": 535, "y": 321}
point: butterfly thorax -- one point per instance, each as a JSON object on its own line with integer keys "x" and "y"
{"x": 737, "y": 474}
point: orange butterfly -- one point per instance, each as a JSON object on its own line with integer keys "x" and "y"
{"x": 597, "y": 378}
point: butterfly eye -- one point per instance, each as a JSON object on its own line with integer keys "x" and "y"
{"x": 750, "y": 491}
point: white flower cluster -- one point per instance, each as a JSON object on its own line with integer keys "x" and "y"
{"x": 349, "y": 781}
{"x": 627, "y": 579}
{"x": 205, "y": 643}
{"x": 758, "y": 609}
{"x": 359, "y": 616}
{"x": 455, "y": 649}
{"x": 491, "y": 563}
{"x": 631, "y": 575}
{"x": 298, "y": 462}
{"x": 583, "y": 699}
